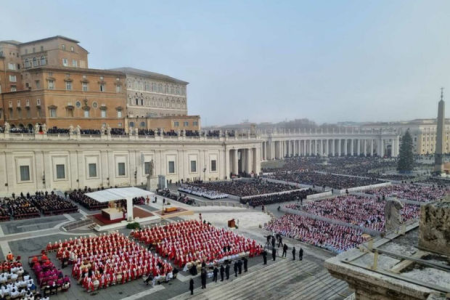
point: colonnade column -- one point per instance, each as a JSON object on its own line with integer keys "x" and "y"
{"x": 332, "y": 147}
{"x": 352, "y": 150}
{"x": 249, "y": 160}
{"x": 236, "y": 161}
{"x": 358, "y": 146}
{"x": 345, "y": 147}
{"x": 339, "y": 147}
{"x": 304, "y": 147}
{"x": 371, "y": 147}
{"x": 310, "y": 146}
{"x": 365, "y": 147}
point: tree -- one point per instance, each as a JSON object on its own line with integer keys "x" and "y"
{"x": 406, "y": 158}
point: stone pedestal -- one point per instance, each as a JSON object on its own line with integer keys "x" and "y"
{"x": 434, "y": 229}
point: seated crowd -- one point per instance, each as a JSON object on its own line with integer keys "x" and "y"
{"x": 242, "y": 188}
{"x": 85, "y": 201}
{"x": 180, "y": 197}
{"x": 15, "y": 283}
{"x": 356, "y": 210}
{"x": 415, "y": 192}
{"x": 325, "y": 180}
{"x": 194, "y": 241}
{"x": 19, "y": 208}
{"x": 336, "y": 238}
{"x": 201, "y": 191}
{"x": 279, "y": 198}
{"x": 50, "y": 279}
{"x": 109, "y": 259}
{"x": 50, "y": 204}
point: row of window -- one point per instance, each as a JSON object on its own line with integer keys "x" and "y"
{"x": 84, "y": 86}
{"x": 35, "y": 62}
{"x": 34, "y": 50}
{"x": 86, "y": 113}
{"x": 25, "y": 174}
{"x": 185, "y": 124}
{"x": 158, "y": 103}
{"x": 157, "y": 87}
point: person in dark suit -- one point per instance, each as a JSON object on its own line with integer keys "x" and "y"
{"x": 300, "y": 254}
{"x": 293, "y": 253}
{"x": 273, "y": 253}
{"x": 215, "y": 274}
{"x": 285, "y": 249}
{"x": 235, "y": 268}
{"x": 203, "y": 277}
{"x": 191, "y": 286}
{"x": 245, "y": 264}
{"x": 227, "y": 271}
{"x": 264, "y": 255}
{"x": 240, "y": 266}
{"x": 222, "y": 271}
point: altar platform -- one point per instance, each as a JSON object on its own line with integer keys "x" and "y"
{"x": 141, "y": 215}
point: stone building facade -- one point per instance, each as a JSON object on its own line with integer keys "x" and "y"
{"x": 63, "y": 97}
{"x": 151, "y": 94}
{"x": 40, "y": 162}
{"x": 423, "y": 133}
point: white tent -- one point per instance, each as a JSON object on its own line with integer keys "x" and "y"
{"x": 120, "y": 194}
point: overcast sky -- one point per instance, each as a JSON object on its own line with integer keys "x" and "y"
{"x": 328, "y": 61}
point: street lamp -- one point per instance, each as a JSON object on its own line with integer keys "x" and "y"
{"x": 204, "y": 170}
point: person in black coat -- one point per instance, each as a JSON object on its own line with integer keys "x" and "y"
{"x": 280, "y": 242}
{"x": 285, "y": 249}
{"x": 227, "y": 271}
{"x": 264, "y": 255}
{"x": 203, "y": 277}
{"x": 222, "y": 271}
{"x": 215, "y": 274}
{"x": 240, "y": 266}
{"x": 273, "y": 242}
{"x": 191, "y": 286}
{"x": 300, "y": 254}
{"x": 235, "y": 268}
{"x": 273, "y": 253}
{"x": 245, "y": 264}
{"x": 293, "y": 253}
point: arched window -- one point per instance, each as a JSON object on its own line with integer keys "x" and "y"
{"x": 131, "y": 124}
{"x": 35, "y": 62}
{"x": 142, "y": 102}
{"x": 27, "y": 63}
{"x": 142, "y": 124}
{"x": 137, "y": 101}
{"x": 43, "y": 61}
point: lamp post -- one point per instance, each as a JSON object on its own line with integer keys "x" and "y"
{"x": 204, "y": 171}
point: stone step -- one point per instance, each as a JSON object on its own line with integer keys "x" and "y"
{"x": 273, "y": 282}
{"x": 268, "y": 278}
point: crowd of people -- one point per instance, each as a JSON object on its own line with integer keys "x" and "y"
{"x": 49, "y": 278}
{"x": 79, "y": 197}
{"x": 183, "y": 198}
{"x": 278, "y": 198}
{"x": 201, "y": 191}
{"x": 324, "y": 180}
{"x": 415, "y": 192}
{"x": 240, "y": 188}
{"x": 356, "y": 210}
{"x": 336, "y": 238}
{"x": 15, "y": 283}
{"x": 109, "y": 259}
{"x": 196, "y": 241}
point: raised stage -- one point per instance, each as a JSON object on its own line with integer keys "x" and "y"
{"x": 141, "y": 215}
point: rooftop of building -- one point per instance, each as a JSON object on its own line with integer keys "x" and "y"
{"x": 148, "y": 74}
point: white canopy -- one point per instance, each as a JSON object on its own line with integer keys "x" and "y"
{"x": 118, "y": 194}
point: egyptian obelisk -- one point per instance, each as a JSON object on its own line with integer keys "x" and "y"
{"x": 439, "y": 154}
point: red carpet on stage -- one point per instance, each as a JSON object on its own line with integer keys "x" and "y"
{"x": 105, "y": 221}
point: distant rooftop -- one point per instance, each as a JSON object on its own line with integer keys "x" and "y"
{"x": 153, "y": 75}
{"x": 51, "y": 38}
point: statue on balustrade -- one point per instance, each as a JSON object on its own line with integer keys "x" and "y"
{"x": 392, "y": 216}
